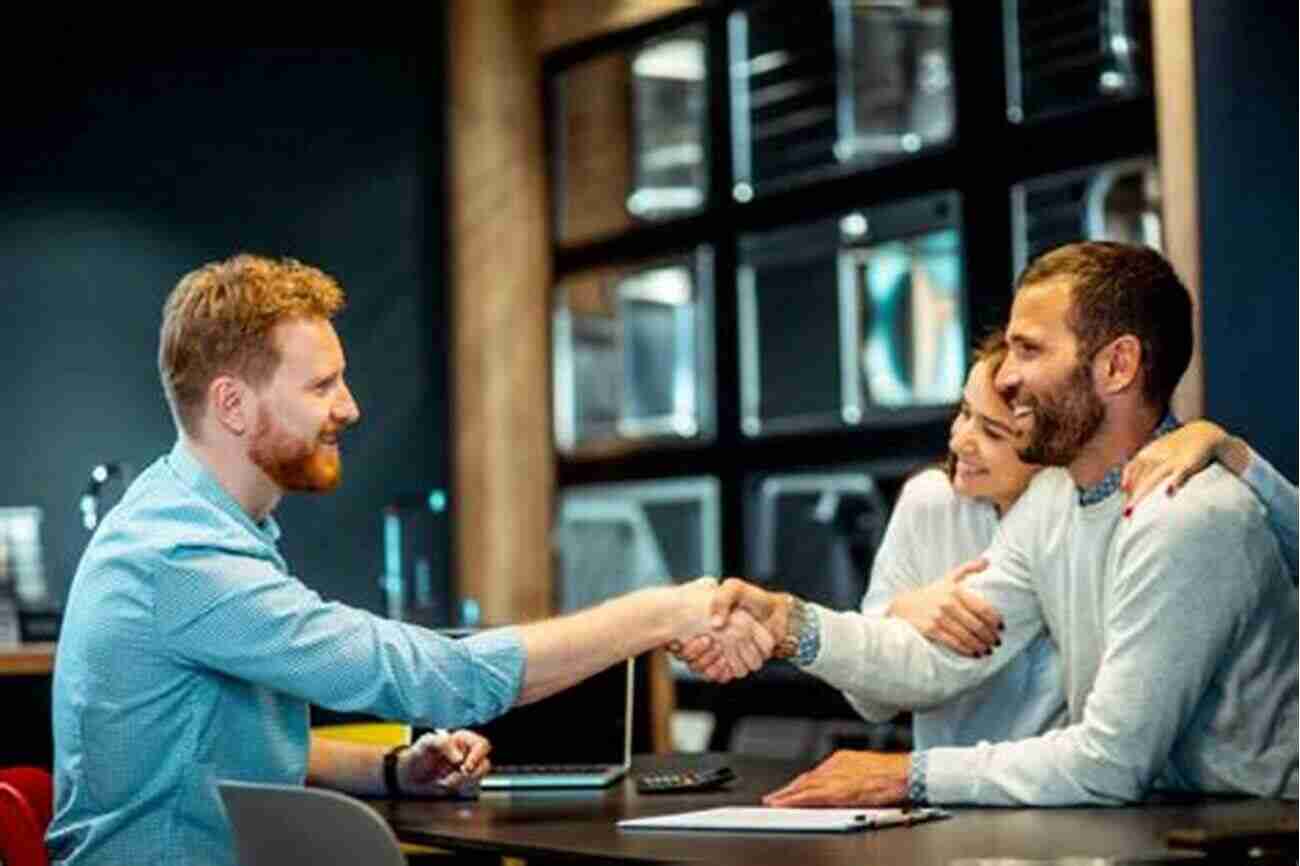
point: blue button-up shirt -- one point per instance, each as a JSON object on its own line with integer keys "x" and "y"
{"x": 189, "y": 654}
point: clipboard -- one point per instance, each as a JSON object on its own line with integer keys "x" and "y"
{"x": 762, "y": 819}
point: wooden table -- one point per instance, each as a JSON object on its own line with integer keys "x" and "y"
{"x": 26, "y": 659}
{"x": 578, "y": 826}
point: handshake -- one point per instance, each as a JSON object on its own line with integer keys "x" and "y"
{"x": 745, "y": 625}
{"x": 732, "y": 629}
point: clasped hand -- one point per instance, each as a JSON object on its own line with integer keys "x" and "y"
{"x": 746, "y": 626}
{"x": 749, "y": 624}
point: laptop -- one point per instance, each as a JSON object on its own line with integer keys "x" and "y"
{"x": 578, "y": 738}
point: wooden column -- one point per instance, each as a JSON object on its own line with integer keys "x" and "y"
{"x": 504, "y": 466}
{"x": 565, "y": 21}
{"x": 500, "y": 266}
{"x": 1175, "y": 86}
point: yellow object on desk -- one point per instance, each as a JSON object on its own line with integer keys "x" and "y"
{"x": 371, "y": 733}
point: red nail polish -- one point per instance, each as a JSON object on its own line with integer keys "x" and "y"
{"x": 1128, "y": 511}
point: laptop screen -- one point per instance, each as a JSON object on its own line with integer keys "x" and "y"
{"x": 585, "y": 724}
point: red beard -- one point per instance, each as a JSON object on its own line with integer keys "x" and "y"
{"x": 295, "y": 463}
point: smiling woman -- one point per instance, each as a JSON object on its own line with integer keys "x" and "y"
{"x": 982, "y": 461}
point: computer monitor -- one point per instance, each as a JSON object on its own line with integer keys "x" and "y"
{"x": 579, "y": 737}
{"x": 614, "y": 538}
{"x": 1066, "y": 60}
{"x": 633, "y": 353}
{"x": 815, "y": 534}
{"x": 670, "y": 95}
{"x": 853, "y": 321}
{"x": 1111, "y": 201}
{"x": 827, "y": 86}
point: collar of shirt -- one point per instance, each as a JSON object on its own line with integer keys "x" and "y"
{"x": 197, "y": 477}
{"x": 1111, "y": 480}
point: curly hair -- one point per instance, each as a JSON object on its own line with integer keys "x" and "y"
{"x": 218, "y": 320}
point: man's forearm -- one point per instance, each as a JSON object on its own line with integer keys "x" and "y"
{"x": 886, "y": 665}
{"x": 353, "y": 767}
{"x": 563, "y": 651}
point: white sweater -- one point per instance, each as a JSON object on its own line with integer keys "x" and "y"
{"x": 1178, "y": 636}
{"x": 931, "y": 530}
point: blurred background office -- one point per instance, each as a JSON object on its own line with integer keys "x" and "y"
{"x": 638, "y": 289}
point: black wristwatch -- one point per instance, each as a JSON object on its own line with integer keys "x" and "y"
{"x": 391, "y": 784}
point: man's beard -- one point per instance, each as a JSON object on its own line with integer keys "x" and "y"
{"x": 293, "y": 462}
{"x": 1063, "y": 422}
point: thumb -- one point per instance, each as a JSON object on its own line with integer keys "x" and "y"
{"x": 965, "y": 570}
{"x": 455, "y": 751}
{"x": 725, "y": 599}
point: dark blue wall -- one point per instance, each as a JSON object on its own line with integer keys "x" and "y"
{"x": 123, "y": 175}
{"x": 1246, "y": 142}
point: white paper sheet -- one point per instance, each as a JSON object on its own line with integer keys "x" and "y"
{"x": 767, "y": 820}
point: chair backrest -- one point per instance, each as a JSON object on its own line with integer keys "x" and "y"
{"x": 37, "y": 787}
{"x": 22, "y": 838}
{"x": 278, "y": 824}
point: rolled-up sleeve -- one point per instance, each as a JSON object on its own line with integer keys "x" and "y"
{"x": 239, "y": 614}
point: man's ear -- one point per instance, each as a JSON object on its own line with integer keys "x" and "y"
{"x": 1118, "y": 364}
{"x": 231, "y": 403}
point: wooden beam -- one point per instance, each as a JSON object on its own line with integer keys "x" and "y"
{"x": 1175, "y": 86}
{"x": 500, "y": 266}
{"x": 565, "y": 21}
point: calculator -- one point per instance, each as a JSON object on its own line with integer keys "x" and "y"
{"x": 674, "y": 781}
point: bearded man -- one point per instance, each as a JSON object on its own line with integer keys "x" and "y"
{"x": 1175, "y": 623}
{"x": 190, "y": 653}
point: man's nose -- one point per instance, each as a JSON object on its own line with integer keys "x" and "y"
{"x": 1007, "y": 379}
{"x": 346, "y": 410}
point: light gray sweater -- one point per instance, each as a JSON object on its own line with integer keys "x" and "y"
{"x": 1177, "y": 629}
{"x": 932, "y": 529}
